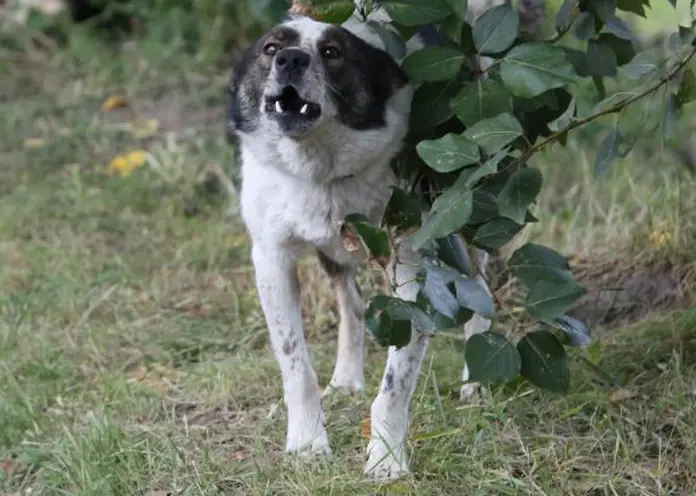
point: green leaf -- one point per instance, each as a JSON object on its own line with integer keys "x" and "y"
{"x": 566, "y": 15}
{"x": 452, "y": 250}
{"x": 416, "y": 12}
{"x": 544, "y": 361}
{"x": 438, "y": 293}
{"x": 482, "y": 99}
{"x": 332, "y": 11}
{"x": 393, "y": 44}
{"x": 494, "y": 133}
{"x": 490, "y": 357}
{"x": 450, "y": 211}
{"x": 520, "y": 190}
{"x": 575, "y": 331}
{"x": 550, "y": 299}
{"x": 565, "y": 119}
{"x": 635, "y": 6}
{"x": 433, "y": 63}
{"x": 496, "y": 233}
{"x": 585, "y": 26}
{"x": 473, "y": 174}
{"x": 380, "y": 320}
{"x": 496, "y": 30}
{"x": 375, "y": 239}
{"x": 402, "y": 211}
{"x": 533, "y": 68}
{"x": 471, "y": 295}
{"x": 617, "y": 26}
{"x": 431, "y": 105}
{"x": 485, "y": 208}
{"x": 687, "y": 88}
{"x": 449, "y": 153}
{"x": 459, "y": 7}
{"x": 532, "y": 262}
{"x": 601, "y": 59}
{"x": 623, "y": 49}
{"x": 642, "y": 64}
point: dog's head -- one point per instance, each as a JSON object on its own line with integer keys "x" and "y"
{"x": 303, "y": 73}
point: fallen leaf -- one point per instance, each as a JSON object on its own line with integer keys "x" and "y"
{"x": 622, "y": 394}
{"x": 365, "y": 428}
{"x": 138, "y": 374}
{"x": 9, "y": 465}
{"x": 239, "y": 455}
{"x": 125, "y": 164}
{"x": 114, "y": 102}
{"x": 144, "y": 128}
{"x": 34, "y": 143}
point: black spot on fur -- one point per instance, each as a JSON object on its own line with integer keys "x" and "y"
{"x": 363, "y": 81}
{"x": 388, "y": 381}
{"x": 289, "y": 346}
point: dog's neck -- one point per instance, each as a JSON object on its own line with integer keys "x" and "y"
{"x": 329, "y": 154}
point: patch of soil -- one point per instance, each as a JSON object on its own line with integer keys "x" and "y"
{"x": 618, "y": 293}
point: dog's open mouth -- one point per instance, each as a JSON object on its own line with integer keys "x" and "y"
{"x": 289, "y": 103}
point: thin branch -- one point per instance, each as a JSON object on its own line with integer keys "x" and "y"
{"x": 617, "y": 107}
{"x": 560, "y": 34}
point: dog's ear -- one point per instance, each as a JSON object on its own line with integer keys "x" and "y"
{"x": 244, "y": 93}
{"x": 364, "y": 82}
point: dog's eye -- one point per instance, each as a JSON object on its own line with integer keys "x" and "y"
{"x": 270, "y": 49}
{"x": 331, "y": 52}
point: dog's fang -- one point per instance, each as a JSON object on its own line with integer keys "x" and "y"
{"x": 278, "y": 107}
{"x": 304, "y": 109}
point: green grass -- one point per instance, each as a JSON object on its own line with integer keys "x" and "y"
{"x": 133, "y": 352}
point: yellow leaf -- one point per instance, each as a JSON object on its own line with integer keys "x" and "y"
{"x": 365, "y": 428}
{"x": 114, "y": 102}
{"x": 125, "y": 164}
{"x": 34, "y": 143}
{"x": 145, "y": 128}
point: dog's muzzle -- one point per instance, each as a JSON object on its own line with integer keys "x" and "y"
{"x": 291, "y": 64}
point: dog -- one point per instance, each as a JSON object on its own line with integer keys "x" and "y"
{"x": 319, "y": 112}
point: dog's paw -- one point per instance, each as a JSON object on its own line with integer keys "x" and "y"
{"x": 344, "y": 386}
{"x": 385, "y": 465}
{"x": 470, "y": 391}
{"x": 307, "y": 443}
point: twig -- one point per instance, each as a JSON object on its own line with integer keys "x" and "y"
{"x": 617, "y": 107}
{"x": 560, "y": 34}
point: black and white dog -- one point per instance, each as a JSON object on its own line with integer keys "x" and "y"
{"x": 320, "y": 111}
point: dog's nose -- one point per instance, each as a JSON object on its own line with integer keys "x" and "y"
{"x": 292, "y": 60}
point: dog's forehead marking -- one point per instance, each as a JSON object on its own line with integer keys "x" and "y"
{"x": 310, "y": 31}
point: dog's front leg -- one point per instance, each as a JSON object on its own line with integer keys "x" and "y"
{"x": 279, "y": 292}
{"x": 390, "y": 409}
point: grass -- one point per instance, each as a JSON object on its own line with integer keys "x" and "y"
{"x": 133, "y": 352}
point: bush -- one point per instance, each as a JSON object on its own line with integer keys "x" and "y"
{"x": 474, "y": 130}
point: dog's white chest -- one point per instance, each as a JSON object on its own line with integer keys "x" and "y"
{"x": 286, "y": 210}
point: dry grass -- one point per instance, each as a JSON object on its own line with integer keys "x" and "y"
{"x": 134, "y": 357}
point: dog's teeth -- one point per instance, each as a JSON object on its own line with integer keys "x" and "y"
{"x": 304, "y": 109}
{"x": 278, "y": 107}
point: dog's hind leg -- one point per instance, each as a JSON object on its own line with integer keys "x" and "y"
{"x": 477, "y": 324}
{"x": 390, "y": 409}
{"x": 348, "y": 374}
{"x": 279, "y": 292}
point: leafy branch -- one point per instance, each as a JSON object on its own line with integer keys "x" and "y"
{"x": 617, "y": 107}
{"x": 472, "y": 133}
